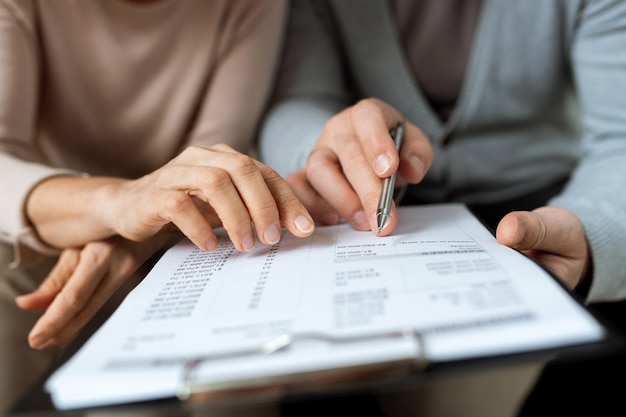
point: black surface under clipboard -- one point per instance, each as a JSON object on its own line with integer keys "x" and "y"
{"x": 376, "y": 377}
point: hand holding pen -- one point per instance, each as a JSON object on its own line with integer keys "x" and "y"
{"x": 345, "y": 169}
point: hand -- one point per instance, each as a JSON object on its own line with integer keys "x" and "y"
{"x": 205, "y": 188}
{"x": 200, "y": 189}
{"x": 343, "y": 174}
{"x": 553, "y": 236}
{"x": 79, "y": 284}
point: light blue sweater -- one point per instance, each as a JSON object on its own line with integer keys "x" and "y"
{"x": 544, "y": 98}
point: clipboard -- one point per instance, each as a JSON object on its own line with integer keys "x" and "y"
{"x": 196, "y": 393}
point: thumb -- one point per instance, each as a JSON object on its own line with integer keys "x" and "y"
{"x": 544, "y": 229}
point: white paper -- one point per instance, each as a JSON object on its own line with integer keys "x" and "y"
{"x": 441, "y": 273}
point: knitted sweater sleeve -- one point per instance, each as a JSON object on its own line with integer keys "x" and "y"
{"x": 596, "y": 192}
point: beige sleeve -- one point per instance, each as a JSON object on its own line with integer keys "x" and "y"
{"x": 243, "y": 74}
{"x": 19, "y": 168}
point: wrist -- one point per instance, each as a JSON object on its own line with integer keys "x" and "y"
{"x": 68, "y": 211}
{"x": 584, "y": 284}
{"x": 107, "y": 202}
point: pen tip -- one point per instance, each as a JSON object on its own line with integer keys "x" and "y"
{"x": 381, "y": 220}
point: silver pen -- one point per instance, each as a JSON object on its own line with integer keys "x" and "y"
{"x": 389, "y": 183}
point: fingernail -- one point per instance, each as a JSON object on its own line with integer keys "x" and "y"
{"x": 360, "y": 220}
{"x": 417, "y": 164}
{"x": 272, "y": 234}
{"x": 382, "y": 164}
{"x": 211, "y": 244}
{"x": 375, "y": 221}
{"x": 38, "y": 342}
{"x": 248, "y": 243}
{"x": 304, "y": 224}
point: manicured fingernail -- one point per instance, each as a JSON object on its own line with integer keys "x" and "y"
{"x": 248, "y": 243}
{"x": 417, "y": 164}
{"x": 304, "y": 224}
{"x": 272, "y": 234}
{"x": 360, "y": 220}
{"x": 375, "y": 221}
{"x": 211, "y": 244}
{"x": 382, "y": 164}
{"x": 38, "y": 342}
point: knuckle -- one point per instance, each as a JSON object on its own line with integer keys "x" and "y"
{"x": 72, "y": 301}
{"x": 290, "y": 200}
{"x": 365, "y": 108}
{"x": 268, "y": 172}
{"x": 366, "y": 104}
{"x": 273, "y": 180}
{"x": 177, "y": 203}
{"x": 267, "y": 211}
{"x": 333, "y": 124}
{"x": 534, "y": 234}
{"x": 194, "y": 149}
{"x": 372, "y": 195}
{"x": 216, "y": 180}
{"x": 222, "y": 147}
{"x": 539, "y": 234}
{"x": 99, "y": 251}
{"x": 316, "y": 164}
{"x": 243, "y": 165}
{"x": 189, "y": 150}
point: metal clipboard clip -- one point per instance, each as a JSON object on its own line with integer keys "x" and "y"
{"x": 193, "y": 391}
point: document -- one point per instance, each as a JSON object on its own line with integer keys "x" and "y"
{"x": 441, "y": 275}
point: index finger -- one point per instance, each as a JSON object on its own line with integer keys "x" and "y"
{"x": 293, "y": 215}
{"x": 45, "y": 294}
{"x": 371, "y": 120}
{"x": 78, "y": 289}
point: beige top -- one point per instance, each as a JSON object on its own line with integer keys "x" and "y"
{"x": 109, "y": 87}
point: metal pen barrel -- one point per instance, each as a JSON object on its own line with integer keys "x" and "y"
{"x": 389, "y": 183}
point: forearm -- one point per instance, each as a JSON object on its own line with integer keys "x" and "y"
{"x": 595, "y": 192}
{"x": 69, "y": 211}
{"x": 247, "y": 71}
{"x": 310, "y": 89}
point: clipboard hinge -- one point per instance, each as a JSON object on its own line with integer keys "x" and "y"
{"x": 195, "y": 392}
